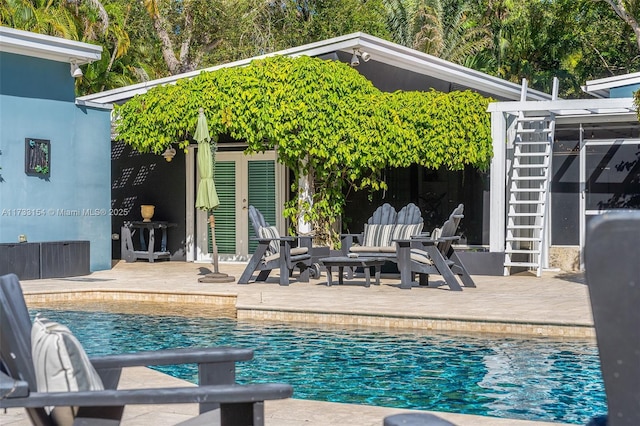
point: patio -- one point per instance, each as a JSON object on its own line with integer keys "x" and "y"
{"x": 556, "y": 304}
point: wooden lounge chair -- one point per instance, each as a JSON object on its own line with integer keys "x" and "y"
{"x": 424, "y": 256}
{"x": 237, "y": 404}
{"x": 612, "y": 270}
{"x": 276, "y": 252}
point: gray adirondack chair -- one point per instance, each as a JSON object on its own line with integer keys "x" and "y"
{"x": 612, "y": 271}
{"x": 425, "y": 256}
{"x": 238, "y": 404}
{"x": 277, "y": 252}
{"x": 409, "y": 215}
{"x": 383, "y": 215}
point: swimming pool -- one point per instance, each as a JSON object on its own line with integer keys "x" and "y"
{"x": 519, "y": 378}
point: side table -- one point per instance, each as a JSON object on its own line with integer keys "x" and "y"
{"x": 147, "y": 247}
{"x": 353, "y": 262}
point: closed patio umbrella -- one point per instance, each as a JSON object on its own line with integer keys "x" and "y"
{"x": 207, "y": 197}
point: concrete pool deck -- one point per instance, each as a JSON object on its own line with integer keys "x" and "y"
{"x": 557, "y": 304}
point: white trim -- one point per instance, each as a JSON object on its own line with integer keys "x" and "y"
{"x": 601, "y": 87}
{"x": 196, "y": 229}
{"x": 582, "y": 202}
{"x": 611, "y": 142}
{"x": 47, "y": 47}
{"x": 380, "y": 50}
{"x": 190, "y": 175}
{"x": 498, "y": 183}
{"x": 568, "y": 107}
{"x": 90, "y": 104}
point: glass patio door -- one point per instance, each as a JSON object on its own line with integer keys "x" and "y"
{"x": 240, "y": 180}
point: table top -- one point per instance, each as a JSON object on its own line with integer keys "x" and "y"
{"x": 353, "y": 260}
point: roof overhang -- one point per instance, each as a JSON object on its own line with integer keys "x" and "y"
{"x": 601, "y": 87}
{"x": 47, "y": 47}
{"x": 379, "y": 49}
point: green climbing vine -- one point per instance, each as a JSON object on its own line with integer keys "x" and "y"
{"x": 323, "y": 118}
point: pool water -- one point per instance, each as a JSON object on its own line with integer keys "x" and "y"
{"x": 519, "y": 378}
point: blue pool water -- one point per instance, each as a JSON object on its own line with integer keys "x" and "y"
{"x": 519, "y": 378}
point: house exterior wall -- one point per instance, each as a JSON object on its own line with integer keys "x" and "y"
{"x": 148, "y": 178}
{"x": 37, "y": 100}
{"x": 624, "y": 91}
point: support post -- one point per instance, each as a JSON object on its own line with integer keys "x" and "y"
{"x": 498, "y": 184}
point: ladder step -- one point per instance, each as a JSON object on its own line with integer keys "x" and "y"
{"x": 532, "y": 119}
{"x": 521, "y": 251}
{"x": 529, "y": 178}
{"x": 525, "y": 202}
{"x": 520, "y": 143}
{"x": 526, "y": 264}
{"x": 534, "y": 130}
{"x": 531, "y": 172}
{"x": 528, "y": 190}
{"x": 532, "y": 154}
{"x": 530, "y": 239}
{"x": 515, "y": 188}
{"x": 530, "y": 166}
{"x": 519, "y": 214}
{"x": 525, "y": 227}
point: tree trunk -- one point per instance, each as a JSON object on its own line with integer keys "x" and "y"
{"x": 620, "y": 9}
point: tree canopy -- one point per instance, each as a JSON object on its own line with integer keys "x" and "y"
{"x": 575, "y": 40}
{"x": 324, "y": 120}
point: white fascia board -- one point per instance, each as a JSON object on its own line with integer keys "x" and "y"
{"x": 569, "y": 106}
{"x": 95, "y": 105}
{"x": 601, "y": 87}
{"x": 423, "y": 63}
{"x": 345, "y": 42}
{"x": 47, "y": 47}
{"x": 603, "y": 94}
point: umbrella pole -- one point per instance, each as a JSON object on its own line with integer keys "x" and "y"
{"x": 216, "y": 276}
{"x": 212, "y": 224}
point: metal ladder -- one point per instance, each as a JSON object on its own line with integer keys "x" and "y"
{"x": 528, "y": 189}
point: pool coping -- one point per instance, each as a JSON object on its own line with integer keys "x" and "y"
{"x": 440, "y": 323}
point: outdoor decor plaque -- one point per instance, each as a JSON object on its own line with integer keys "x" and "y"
{"x": 37, "y": 157}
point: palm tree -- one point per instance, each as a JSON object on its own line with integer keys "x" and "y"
{"x": 400, "y": 16}
{"x": 445, "y": 30}
{"x": 441, "y": 28}
{"x": 39, "y": 16}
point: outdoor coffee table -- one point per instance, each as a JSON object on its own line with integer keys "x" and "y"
{"x": 353, "y": 262}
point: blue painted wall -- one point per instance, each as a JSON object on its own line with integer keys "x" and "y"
{"x": 624, "y": 91}
{"x": 37, "y": 100}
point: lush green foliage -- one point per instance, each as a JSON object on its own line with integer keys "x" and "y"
{"x": 324, "y": 120}
{"x": 575, "y": 40}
